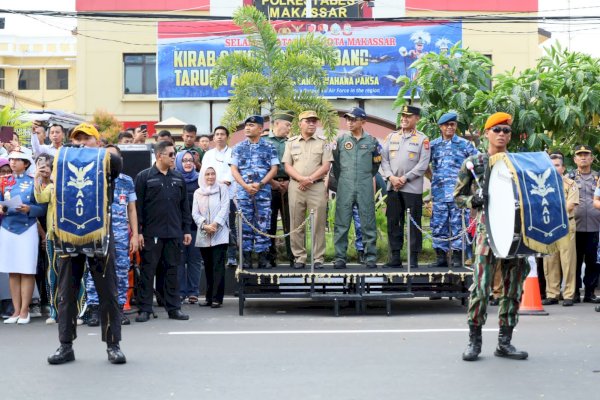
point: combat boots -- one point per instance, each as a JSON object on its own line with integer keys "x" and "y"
{"x": 457, "y": 261}
{"x": 361, "y": 256}
{"x": 247, "y": 263}
{"x": 115, "y": 355}
{"x": 414, "y": 260}
{"x": 62, "y": 355}
{"x": 442, "y": 258}
{"x": 263, "y": 260}
{"x": 504, "y": 348}
{"x": 474, "y": 346}
{"x": 94, "y": 315}
{"x": 395, "y": 261}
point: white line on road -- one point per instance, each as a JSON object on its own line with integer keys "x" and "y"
{"x": 323, "y": 332}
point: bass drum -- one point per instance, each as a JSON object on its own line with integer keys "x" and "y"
{"x": 502, "y": 214}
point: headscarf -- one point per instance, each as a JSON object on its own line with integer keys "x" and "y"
{"x": 187, "y": 176}
{"x": 203, "y": 187}
{"x": 3, "y": 162}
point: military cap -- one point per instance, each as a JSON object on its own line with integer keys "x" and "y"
{"x": 286, "y": 115}
{"x": 356, "y": 112}
{"x": 308, "y": 114}
{"x": 87, "y": 129}
{"x": 448, "y": 117}
{"x": 255, "y": 119}
{"x": 497, "y": 119}
{"x": 582, "y": 148}
{"x": 410, "y": 110}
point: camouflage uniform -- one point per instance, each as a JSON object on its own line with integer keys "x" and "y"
{"x": 124, "y": 194}
{"x": 446, "y": 158}
{"x": 514, "y": 271}
{"x": 254, "y": 162}
{"x": 358, "y": 239}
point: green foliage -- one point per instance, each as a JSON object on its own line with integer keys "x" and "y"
{"x": 108, "y": 125}
{"x": 269, "y": 74}
{"x": 13, "y": 117}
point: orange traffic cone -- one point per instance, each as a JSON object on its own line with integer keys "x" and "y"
{"x": 531, "y": 302}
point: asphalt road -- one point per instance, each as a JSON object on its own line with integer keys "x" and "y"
{"x": 299, "y": 350}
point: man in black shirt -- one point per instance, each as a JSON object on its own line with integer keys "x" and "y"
{"x": 164, "y": 219}
{"x": 70, "y": 271}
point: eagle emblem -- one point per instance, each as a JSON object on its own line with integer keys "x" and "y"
{"x": 540, "y": 188}
{"x": 80, "y": 180}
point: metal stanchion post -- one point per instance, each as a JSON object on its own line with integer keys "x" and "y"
{"x": 238, "y": 217}
{"x": 311, "y": 222}
{"x": 408, "y": 222}
{"x": 464, "y": 237}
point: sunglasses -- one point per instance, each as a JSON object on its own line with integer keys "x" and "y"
{"x": 504, "y": 130}
{"x": 171, "y": 154}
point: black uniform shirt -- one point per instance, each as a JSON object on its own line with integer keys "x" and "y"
{"x": 162, "y": 204}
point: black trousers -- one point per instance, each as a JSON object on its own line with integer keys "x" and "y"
{"x": 232, "y": 248}
{"x": 280, "y": 203}
{"x": 586, "y": 246}
{"x": 397, "y": 203}
{"x": 70, "y": 272}
{"x": 214, "y": 268}
{"x": 170, "y": 251}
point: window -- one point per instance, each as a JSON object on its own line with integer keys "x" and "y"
{"x": 140, "y": 73}
{"x": 57, "y": 79}
{"x": 1, "y": 78}
{"x": 29, "y": 79}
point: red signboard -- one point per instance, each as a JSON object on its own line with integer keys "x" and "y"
{"x": 470, "y": 5}
{"x": 142, "y": 5}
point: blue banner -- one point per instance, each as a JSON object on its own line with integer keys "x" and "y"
{"x": 371, "y": 55}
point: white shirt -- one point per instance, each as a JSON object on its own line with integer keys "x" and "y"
{"x": 42, "y": 148}
{"x": 219, "y": 160}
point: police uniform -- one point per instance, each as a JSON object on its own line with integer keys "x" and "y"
{"x": 254, "y": 161}
{"x": 447, "y": 157}
{"x": 124, "y": 194}
{"x": 280, "y": 200}
{"x": 561, "y": 265}
{"x": 307, "y": 156}
{"x": 356, "y": 162}
{"x": 587, "y": 219}
{"x": 405, "y": 154}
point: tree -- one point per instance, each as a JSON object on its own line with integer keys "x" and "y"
{"x": 108, "y": 125}
{"x": 270, "y": 75}
{"x": 446, "y": 81}
{"x": 13, "y": 117}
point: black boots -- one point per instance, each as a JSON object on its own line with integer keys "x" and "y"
{"x": 361, "y": 256}
{"x": 395, "y": 261}
{"x": 62, "y": 355}
{"x": 457, "y": 261}
{"x": 247, "y": 262}
{"x": 94, "y": 315}
{"x": 115, "y": 355}
{"x": 263, "y": 260}
{"x": 441, "y": 258}
{"x": 505, "y": 349}
{"x": 124, "y": 319}
{"x": 474, "y": 346}
{"x": 414, "y": 260}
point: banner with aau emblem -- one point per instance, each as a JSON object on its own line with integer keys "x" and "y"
{"x": 544, "y": 217}
{"x": 81, "y": 194}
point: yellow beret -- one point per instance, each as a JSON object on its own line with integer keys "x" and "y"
{"x": 497, "y": 119}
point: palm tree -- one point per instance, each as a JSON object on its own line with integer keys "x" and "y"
{"x": 270, "y": 75}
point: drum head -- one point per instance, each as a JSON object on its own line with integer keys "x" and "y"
{"x": 501, "y": 209}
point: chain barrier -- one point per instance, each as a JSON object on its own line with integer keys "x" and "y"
{"x": 450, "y": 239}
{"x": 258, "y": 231}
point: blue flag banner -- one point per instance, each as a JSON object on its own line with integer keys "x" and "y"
{"x": 543, "y": 206}
{"x": 81, "y": 194}
{"x": 370, "y": 55}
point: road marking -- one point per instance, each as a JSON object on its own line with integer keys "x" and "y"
{"x": 323, "y": 332}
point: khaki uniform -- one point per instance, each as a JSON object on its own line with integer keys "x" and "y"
{"x": 306, "y": 156}
{"x": 562, "y": 264}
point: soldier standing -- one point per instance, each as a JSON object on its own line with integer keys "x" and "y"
{"x": 253, "y": 164}
{"x": 514, "y": 270}
{"x": 448, "y": 152}
{"x": 405, "y": 158}
{"x": 307, "y": 159}
{"x": 357, "y": 158}
{"x": 282, "y": 123}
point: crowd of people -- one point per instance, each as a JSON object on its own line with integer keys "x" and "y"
{"x": 180, "y": 216}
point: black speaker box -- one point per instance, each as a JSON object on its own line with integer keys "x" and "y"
{"x": 136, "y": 158}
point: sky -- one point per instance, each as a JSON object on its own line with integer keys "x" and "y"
{"x": 576, "y": 36}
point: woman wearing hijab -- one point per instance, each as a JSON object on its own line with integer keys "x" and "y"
{"x": 19, "y": 238}
{"x": 191, "y": 264}
{"x": 210, "y": 211}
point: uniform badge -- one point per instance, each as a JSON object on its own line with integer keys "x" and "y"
{"x": 392, "y": 154}
{"x": 426, "y": 144}
{"x": 364, "y": 146}
{"x": 122, "y": 199}
{"x": 411, "y": 155}
{"x": 348, "y": 145}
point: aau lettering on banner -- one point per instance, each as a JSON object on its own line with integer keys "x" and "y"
{"x": 296, "y": 9}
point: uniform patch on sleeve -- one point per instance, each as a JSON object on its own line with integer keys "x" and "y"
{"x": 426, "y": 144}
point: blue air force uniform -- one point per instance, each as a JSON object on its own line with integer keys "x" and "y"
{"x": 254, "y": 161}
{"x": 447, "y": 157}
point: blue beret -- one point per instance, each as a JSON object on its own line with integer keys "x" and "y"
{"x": 357, "y": 112}
{"x": 256, "y": 119}
{"x": 451, "y": 116}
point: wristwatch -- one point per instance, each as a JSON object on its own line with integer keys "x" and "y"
{"x": 261, "y": 184}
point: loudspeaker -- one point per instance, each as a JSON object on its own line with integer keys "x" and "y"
{"x": 136, "y": 158}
